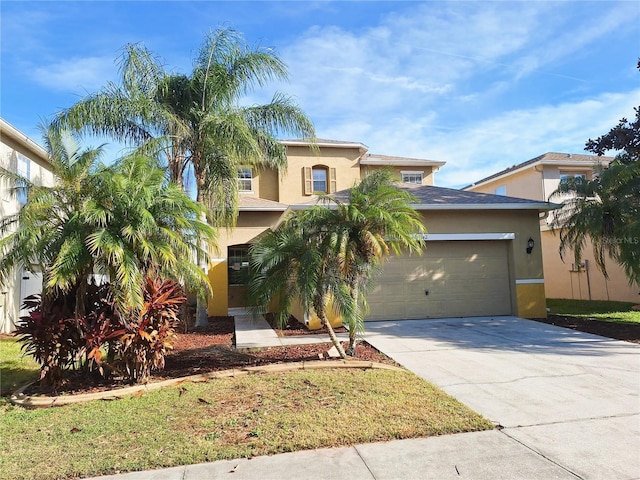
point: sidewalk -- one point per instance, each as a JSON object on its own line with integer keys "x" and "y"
{"x": 488, "y": 455}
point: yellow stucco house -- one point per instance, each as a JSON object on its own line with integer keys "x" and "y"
{"x": 537, "y": 179}
{"x": 19, "y": 154}
{"x": 483, "y": 252}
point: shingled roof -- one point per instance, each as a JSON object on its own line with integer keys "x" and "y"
{"x": 429, "y": 197}
{"x": 246, "y": 204}
{"x": 549, "y": 158}
{"x": 375, "y": 159}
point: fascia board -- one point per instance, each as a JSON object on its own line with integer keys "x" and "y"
{"x": 293, "y": 143}
{"x": 8, "y": 130}
{"x": 485, "y": 206}
{"x": 402, "y": 163}
{"x": 263, "y": 209}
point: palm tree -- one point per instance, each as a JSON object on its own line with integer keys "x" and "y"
{"x": 197, "y": 120}
{"x": 328, "y": 254}
{"x": 125, "y": 221}
{"x": 295, "y": 263}
{"x": 605, "y": 210}
{"x": 374, "y": 220}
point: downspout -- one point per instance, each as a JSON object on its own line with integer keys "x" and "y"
{"x": 541, "y": 172}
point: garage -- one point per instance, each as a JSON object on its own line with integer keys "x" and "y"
{"x": 450, "y": 279}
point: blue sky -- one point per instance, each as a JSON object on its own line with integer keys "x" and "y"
{"x": 480, "y": 85}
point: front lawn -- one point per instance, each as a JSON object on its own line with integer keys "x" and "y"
{"x": 597, "y": 309}
{"x": 224, "y": 419}
{"x": 15, "y": 370}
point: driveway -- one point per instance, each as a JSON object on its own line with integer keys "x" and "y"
{"x": 570, "y": 397}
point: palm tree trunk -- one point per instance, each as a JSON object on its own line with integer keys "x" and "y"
{"x": 332, "y": 335}
{"x": 353, "y": 328}
{"x": 202, "y": 319}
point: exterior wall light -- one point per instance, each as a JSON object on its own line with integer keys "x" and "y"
{"x": 530, "y": 244}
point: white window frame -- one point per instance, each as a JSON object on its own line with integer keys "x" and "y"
{"x": 564, "y": 175}
{"x": 501, "y": 190}
{"x": 245, "y": 175}
{"x": 406, "y": 176}
{"x": 23, "y": 169}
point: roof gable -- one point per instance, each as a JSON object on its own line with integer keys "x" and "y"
{"x": 549, "y": 158}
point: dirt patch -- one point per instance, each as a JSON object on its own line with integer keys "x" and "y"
{"x": 629, "y": 332}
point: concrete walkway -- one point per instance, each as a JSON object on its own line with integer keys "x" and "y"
{"x": 255, "y": 332}
{"x": 568, "y": 402}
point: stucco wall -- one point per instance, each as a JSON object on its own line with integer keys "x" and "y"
{"x": 563, "y": 280}
{"x": 523, "y": 223}
{"x": 10, "y": 295}
{"x": 524, "y": 184}
{"x": 427, "y": 172}
{"x": 344, "y": 160}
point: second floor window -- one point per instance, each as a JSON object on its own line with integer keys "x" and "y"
{"x": 319, "y": 180}
{"x": 564, "y": 176}
{"x": 245, "y": 180}
{"x": 24, "y": 170}
{"x": 412, "y": 177}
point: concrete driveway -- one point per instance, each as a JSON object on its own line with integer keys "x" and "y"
{"x": 570, "y": 397}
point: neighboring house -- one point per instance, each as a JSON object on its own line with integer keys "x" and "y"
{"x": 537, "y": 179}
{"x": 19, "y": 154}
{"x": 476, "y": 263}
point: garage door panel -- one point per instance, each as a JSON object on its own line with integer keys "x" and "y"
{"x": 462, "y": 278}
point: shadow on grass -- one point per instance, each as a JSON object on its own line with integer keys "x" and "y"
{"x": 13, "y": 378}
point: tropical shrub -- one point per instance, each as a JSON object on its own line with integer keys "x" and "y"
{"x": 51, "y": 336}
{"x": 100, "y": 329}
{"x": 134, "y": 347}
{"x": 148, "y": 335}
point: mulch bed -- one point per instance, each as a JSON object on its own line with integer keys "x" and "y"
{"x": 629, "y": 332}
{"x": 211, "y": 349}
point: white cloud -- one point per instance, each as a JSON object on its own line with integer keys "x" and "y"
{"x": 515, "y": 136}
{"x": 468, "y": 83}
{"x": 76, "y": 75}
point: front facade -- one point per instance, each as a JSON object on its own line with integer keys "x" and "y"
{"x": 21, "y": 155}
{"x": 537, "y": 179}
{"x": 475, "y": 264}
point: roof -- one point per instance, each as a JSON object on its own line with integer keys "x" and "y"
{"x": 375, "y": 159}
{"x": 32, "y": 149}
{"x": 248, "y": 204}
{"x": 429, "y": 197}
{"x": 323, "y": 142}
{"x": 549, "y": 158}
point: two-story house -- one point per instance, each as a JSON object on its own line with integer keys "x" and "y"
{"x": 19, "y": 154}
{"x": 537, "y": 179}
{"x": 477, "y": 261}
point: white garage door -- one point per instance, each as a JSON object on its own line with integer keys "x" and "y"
{"x": 450, "y": 279}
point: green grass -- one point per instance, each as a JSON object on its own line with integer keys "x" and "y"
{"x": 226, "y": 418}
{"x": 15, "y": 370}
{"x": 619, "y": 312}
